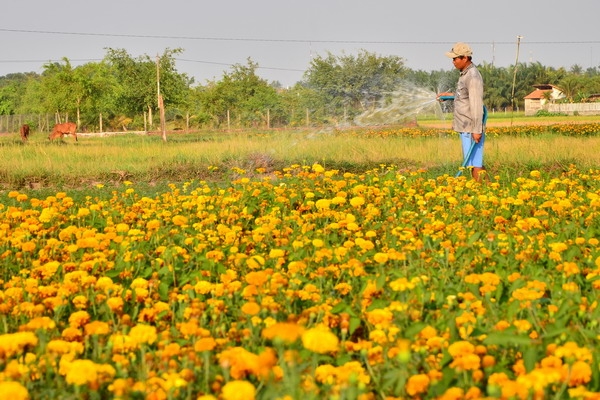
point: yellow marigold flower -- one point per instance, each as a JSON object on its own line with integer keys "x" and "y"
{"x": 122, "y": 343}
{"x": 323, "y": 204}
{"x": 251, "y": 308}
{"x": 203, "y": 287}
{"x": 83, "y": 212}
{"x": 357, "y": 201}
{"x": 153, "y": 225}
{"x": 60, "y": 347}
{"x": 318, "y": 243}
{"x": 80, "y": 302}
{"x": 39, "y": 323}
{"x": 12, "y": 344}
{"x": 255, "y": 262}
{"x": 119, "y": 387}
{"x": 239, "y": 390}
{"x": 285, "y": 331}
{"x": 84, "y": 372}
{"x": 381, "y": 258}
{"x": 570, "y": 287}
{"x": 417, "y": 384}
{"x": 317, "y": 168}
{"x": 115, "y": 304}
{"x": 13, "y": 390}
{"x": 380, "y": 317}
{"x": 276, "y": 253}
{"x": 401, "y": 285}
{"x": 320, "y": 340}
{"x": 343, "y": 288}
{"x": 143, "y": 334}
{"x": 179, "y": 220}
{"x": 522, "y": 325}
{"x": 139, "y": 283}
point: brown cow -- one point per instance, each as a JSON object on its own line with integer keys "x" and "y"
{"x": 60, "y": 130}
{"x": 24, "y": 132}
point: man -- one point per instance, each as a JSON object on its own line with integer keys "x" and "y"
{"x": 468, "y": 108}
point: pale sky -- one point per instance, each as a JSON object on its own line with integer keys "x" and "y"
{"x": 282, "y": 35}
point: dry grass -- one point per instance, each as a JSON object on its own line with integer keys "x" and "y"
{"x": 197, "y": 156}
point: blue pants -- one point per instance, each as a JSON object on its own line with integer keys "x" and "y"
{"x": 476, "y": 158}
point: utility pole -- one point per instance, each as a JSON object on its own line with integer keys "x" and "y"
{"x": 512, "y": 96}
{"x": 161, "y": 106}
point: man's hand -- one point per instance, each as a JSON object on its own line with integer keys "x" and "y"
{"x": 476, "y": 137}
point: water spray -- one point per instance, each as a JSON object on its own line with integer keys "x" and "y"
{"x": 399, "y": 106}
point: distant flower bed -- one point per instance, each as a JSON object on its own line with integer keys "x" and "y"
{"x": 314, "y": 284}
{"x": 587, "y": 129}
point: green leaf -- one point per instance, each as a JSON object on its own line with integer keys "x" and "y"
{"x": 506, "y": 339}
{"x": 163, "y": 291}
{"x": 355, "y": 322}
{"x": 340, "y": 308}
{"x": 530, "y": 358}
{"x": 414, "y": 329}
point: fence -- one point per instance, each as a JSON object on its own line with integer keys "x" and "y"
{"x": 575, "y": 108}
{"x": 175, "y": 121}
{"x": 13, "y": 123}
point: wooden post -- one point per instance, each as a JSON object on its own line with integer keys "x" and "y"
{"x": 100, "y": 120}
{"x": 228, "y": 121}
{"x": 161, "y": 105}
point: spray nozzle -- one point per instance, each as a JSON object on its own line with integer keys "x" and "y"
{"x": 444, "y": 98}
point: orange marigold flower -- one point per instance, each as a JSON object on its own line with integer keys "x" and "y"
{"x": 79, "y": 318}
{"x": 205, "y": 344}
{"x": 96, "y": 328}
{"x": 251, "y": 308}
{"x": 39, "y": 323}
{"x": 417, "y": 384}
{"x": 285, "y": 331}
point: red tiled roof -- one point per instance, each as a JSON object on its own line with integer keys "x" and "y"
{"x": 537, "y": 94}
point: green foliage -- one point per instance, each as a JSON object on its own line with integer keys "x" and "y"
{"x": 335, "y": 89}
{"x": 351, "y": 83}
{"x": 546, "y": 113}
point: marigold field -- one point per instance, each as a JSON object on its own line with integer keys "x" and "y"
{"x": 305, "y": 283}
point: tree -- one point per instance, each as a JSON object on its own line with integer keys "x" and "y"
{"x": 243, "y": 94}
{"x": 138, "y": 81}
{"x": 12, "y": 87}
{"x": 351, "y": 84}
{"x": 58, "y": 87}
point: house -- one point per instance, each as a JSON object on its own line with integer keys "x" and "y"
{"x": 540, "y": 97}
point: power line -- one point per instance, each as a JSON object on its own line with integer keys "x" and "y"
{"x": 235, "y": 39}
{"x": 176, "y": 59}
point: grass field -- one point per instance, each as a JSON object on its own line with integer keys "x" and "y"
{"x": 147, "y": 159}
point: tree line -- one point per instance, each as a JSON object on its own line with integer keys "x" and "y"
{"x": 121, "y": 91}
